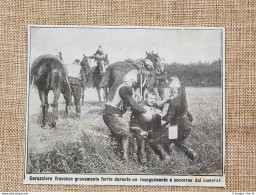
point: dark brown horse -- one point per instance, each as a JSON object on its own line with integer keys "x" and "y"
{"x": 160, "y": 73}
{"x": 154, "y": 57}
{"x": 85, "y": 63}
{"x": 48, "y": 73}
{"x": 116, "y": 72}
{"x": 98, "y": 73}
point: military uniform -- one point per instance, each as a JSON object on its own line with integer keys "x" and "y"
{"x": 174, "y": 112}
{"x": 161, "y": 76}
{"x": 101, "y": 56}
{"x": 112, "y": 114}
{"x": 177, "y": 114}
{"x": 115, "y": 107}
{"x": 142, "y": 128}
{"x": 75, "y": 78}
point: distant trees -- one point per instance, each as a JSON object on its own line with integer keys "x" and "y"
{"x": 197, "y": 74}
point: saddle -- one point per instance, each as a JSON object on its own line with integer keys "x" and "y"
{"x": 138, "y": 64}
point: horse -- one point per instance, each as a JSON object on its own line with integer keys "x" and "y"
{"x": 154, "y": 57}
{"x": 115, "y": 73}
{"x": 48, "y": 73}
{"x": 97, "y": 74}
{"x": 160, "y": 73}
{"x": 85, "y": 63}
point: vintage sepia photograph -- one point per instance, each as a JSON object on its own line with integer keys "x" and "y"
{"x": 124, "y": 105}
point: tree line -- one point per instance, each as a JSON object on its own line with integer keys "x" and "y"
{"x": 197, "y": 74}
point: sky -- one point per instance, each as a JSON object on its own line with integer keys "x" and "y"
{"x": 173, "y": 45}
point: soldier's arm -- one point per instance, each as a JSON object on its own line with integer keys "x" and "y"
{"x": 185, "y": 105}
{"x": 169, "y": 113}
{"x": 126, "y": 95}
{"x": 106, "y": 59}
{"x": 163, "y": 75}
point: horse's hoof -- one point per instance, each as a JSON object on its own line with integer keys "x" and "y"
{"x": 192, "y": 155}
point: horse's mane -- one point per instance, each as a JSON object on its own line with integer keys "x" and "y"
{"x": 53, "y": 61}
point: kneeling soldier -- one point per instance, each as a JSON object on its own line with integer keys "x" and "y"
{"x": 178, "y": 117}
{"x": 118, "y": 102}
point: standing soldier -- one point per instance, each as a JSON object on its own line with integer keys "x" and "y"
{"x": 72, "y": 86}
{"x": 116, "y": 106}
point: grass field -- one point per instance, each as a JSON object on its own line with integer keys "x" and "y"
{"x": 84, "y": 146}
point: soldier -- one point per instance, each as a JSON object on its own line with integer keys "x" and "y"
{"x": 100, "y": 56}
{"x": 72, "y": 86}
{"x": 161, "y": 76}
{"x": 116, "y": 106}
{"x": 142, "y": 127}
{"x": 177, "y": 116}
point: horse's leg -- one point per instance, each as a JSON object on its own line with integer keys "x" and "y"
{"x": 46, "y": 101}
{"x": 98, "y": 90}
{"x": 105, "y": 93}
{"x": 56, "y": 94}
{"x": 45, "y": 106}
{"x": 83, "y": 89}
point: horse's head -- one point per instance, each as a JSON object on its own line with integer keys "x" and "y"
{"x": 150, "y": 81}
{"x": 101, "y": 67}
{"x": 85, "y": 63}
{"x": 156, "y": 60}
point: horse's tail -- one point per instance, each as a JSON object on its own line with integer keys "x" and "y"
{"x": 105, "y": 78}
{"x": 55, "y": 79}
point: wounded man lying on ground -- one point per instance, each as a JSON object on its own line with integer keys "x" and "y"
{"x": 142, "y": 125}
{"x": 161, "y": 126}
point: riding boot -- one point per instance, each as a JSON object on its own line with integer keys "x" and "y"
{"x": 78, "y": 111}
{"x": 143, "y": 157}
{"x": 171, "y": 148}
{"x": 68, "y": 107}
{"x": 189, "y": 152}
{"x": 125, "y": 147}
{"x": 134, "y": 150}
{"x": 161, "y": 152}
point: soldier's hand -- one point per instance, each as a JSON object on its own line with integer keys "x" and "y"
{"x": 190, "y": 117}
{"x": 144, "y": 133}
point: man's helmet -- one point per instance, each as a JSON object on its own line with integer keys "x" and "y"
{"x": 131, "y": 76}
{"x": 100, "y": 49}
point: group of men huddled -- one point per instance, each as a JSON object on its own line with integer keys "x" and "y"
{"x": 162, "y": 124}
